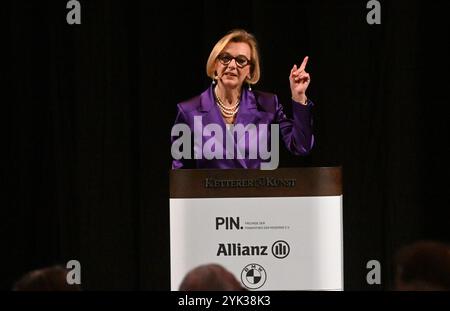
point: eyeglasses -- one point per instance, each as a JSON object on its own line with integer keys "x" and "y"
{"x": 241, "y": 60}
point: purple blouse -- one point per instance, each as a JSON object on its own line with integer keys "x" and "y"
{"x": 257, "y": 108}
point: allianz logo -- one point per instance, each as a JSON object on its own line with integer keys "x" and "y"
{"x": 280, "y": 249}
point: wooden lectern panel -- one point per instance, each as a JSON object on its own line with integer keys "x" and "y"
{"x": 283, "y": 182}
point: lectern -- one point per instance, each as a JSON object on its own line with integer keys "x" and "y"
{"x": 274, "y": 230}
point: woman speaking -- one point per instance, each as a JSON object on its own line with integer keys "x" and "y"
{"x": 230, "y": 125}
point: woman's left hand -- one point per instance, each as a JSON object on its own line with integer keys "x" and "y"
{"x": 299, "y": 81}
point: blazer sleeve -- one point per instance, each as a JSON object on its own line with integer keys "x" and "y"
{"x": 297, "y": 133}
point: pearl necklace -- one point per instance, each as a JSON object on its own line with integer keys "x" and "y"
{"x": 227, "y": 112}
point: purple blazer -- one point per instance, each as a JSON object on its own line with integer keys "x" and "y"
{"x": 255, "y": 108}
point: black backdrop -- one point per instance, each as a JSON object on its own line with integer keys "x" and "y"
{"x": 87, "y": 112}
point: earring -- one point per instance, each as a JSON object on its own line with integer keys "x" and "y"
{"x": 249, "y": 87}
{"x": 214, "y": 80}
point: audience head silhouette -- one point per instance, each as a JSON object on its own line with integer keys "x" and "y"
{"x": 423, "y": 265}
{"x": 46, "y": 279}
{"x": 210, "y": 277}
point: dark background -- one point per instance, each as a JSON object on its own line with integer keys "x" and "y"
{"x": 87, "y": 111}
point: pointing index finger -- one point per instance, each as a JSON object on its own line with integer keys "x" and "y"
{"x": 303, "y": 65}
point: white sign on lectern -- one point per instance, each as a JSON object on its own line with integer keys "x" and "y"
{"x": 268, "y": 243}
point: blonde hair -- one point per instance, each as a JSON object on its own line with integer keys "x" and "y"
{"x": 237, "y": 35}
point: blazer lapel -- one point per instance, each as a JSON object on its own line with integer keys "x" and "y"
{"x": 249, "y": 113}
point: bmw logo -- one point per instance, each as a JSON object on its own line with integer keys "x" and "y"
{"x": 253, "y": 276}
